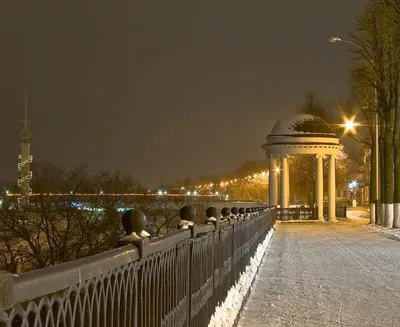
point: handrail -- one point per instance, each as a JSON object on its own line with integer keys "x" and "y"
{"x": 174, "y": 280}
{"x": 37, "y": 283}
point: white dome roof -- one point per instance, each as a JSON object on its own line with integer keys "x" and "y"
{"x": 302, "y": 134}
{"x": 302, "y": 124}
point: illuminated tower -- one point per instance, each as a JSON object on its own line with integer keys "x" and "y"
{"x": 25, "y": 174}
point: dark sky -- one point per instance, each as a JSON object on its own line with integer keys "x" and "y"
{"x": 163, "y": 89}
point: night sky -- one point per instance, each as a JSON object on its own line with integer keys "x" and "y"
{"x": 163, "y": 89}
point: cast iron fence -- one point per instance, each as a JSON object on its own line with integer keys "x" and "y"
{"x": 341, "y": 211}
{"x": 302, "y": 213}
{"x": 175, "y": 280}
{"x": 297, "y": 213}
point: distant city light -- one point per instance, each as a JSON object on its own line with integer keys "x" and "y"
{"x": 101, "y": 192}
{"x": 159, "y": 192}
{"x": 188, "y": 193}
{"x": 194, "y": 193}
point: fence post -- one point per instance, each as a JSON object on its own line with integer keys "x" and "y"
{"x": 6, "y": 291}
{"x": 188, "y": 215}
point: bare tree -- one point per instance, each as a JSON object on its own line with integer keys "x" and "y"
{"x": 376, "y": 71}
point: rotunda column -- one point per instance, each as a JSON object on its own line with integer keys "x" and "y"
{"x": 284, "y": 182}
{"x": 319, "y": 186}
{"x": 273, "y": 181}
{"x": 332, "y": 189}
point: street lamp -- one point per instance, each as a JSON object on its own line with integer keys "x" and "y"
{"x": 349, "y": 125}
{"x": 334, "y": 39}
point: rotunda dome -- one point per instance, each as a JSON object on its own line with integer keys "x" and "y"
{"x": 302, "y": 134}
{"x": 301, "y": 124}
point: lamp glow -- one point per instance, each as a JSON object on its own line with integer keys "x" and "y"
{"x": 349, "y": 125}
{"x": 334, "y": 39}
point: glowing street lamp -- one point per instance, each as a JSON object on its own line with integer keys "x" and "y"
{"x": 353, "y": 185}
{"x": 353, "y": 188}
{"x": 349, "y": 125}
{"x": 277, "y": 170}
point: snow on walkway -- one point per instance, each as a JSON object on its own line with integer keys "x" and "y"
{"x": 326, "y": 275}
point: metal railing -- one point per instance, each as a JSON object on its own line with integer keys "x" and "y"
{"x": 297, "y": 214}
{"x": 176, "y": 280}
{"x": 341, "y": 211}
{"x": 303, "y": 213}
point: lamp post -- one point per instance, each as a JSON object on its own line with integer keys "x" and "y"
{"x": 374, "y": 202}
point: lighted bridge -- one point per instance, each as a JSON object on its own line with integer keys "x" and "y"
{"x": 175, "y": 280}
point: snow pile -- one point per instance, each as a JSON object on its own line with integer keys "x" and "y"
{"x": 358, "y": 214}
{"x": 226, "y": 312}
{"x": 393, "y": 233}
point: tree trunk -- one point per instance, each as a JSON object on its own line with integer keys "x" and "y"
{"x": 396, "y": 150}
{"x": 372, "y": 186}
{"x": 389, "y": 168}
{"x": 381, "y": 216}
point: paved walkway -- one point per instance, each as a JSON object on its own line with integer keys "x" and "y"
{"x": 326, "y": 275}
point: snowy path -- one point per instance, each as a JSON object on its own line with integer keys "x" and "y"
{"x": 326, "y": 275}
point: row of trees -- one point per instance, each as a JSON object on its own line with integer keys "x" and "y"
{"x": 55, "y": 229}
{"x": 376, "y": 88}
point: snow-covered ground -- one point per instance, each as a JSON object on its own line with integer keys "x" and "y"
{"x": 354, "y": 213}
{"x": 326, "y": 275}
{"x": 226, "y": 313}
{"x": 393, "y": 233}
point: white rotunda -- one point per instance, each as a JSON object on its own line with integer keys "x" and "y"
{"x": 302, "y": 134}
